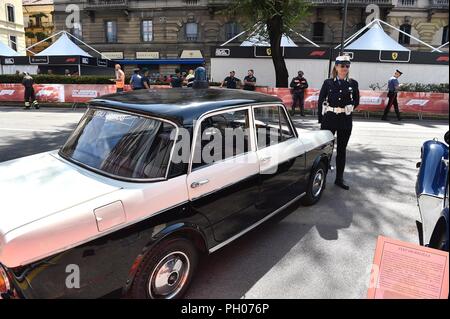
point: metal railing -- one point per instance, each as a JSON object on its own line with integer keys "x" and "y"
{"x": 352, "y": 2}
{"x": 439, "y": 4}
{"x": 106, "y": 4}
{"x": 407, "y": 3}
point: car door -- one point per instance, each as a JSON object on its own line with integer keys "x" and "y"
{"x": 223, "y": 182}
{"x": 282, "y": 158}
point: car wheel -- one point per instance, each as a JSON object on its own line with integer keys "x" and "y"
{"x": 440, "y": 242}
{"x": 166, "y": 271}
{"x": 316, "y": 185}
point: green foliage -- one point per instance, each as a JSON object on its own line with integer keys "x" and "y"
{"x": 30, "y": 35}
{"x": 419, "y": 87}
{"x": 259, "y": 12}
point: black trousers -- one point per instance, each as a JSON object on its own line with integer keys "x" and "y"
{"x": 298, "y": 99}
{"x": 29, "y": 94}
{"x": 342, "y": 138}
{"x": 392, "y": 101}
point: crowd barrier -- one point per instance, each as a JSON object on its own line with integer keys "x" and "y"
{"x": 370, "y": 101}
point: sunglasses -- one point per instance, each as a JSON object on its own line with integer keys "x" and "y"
{"x": 344, "y": 66}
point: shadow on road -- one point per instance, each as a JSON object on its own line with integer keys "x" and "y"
{"x": 37, "y": 142}
{"x": 234, "y": 270}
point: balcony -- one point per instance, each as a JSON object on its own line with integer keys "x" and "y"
{"x": 351, "y": 3}
{"x": 106, "y": 4}
{"x": 218, "y": 3}
{"x": 407, "y": 3}
{"x": 439, "y": 4}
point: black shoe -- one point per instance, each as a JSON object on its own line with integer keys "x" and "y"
{"x": 341, "y": 184}
{"x": 399, "y": 119}
{"x": 302, "y": 114}
{"x": 37, "y": 107}
{"x": 384, "y": 118}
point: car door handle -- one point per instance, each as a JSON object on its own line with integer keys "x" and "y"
{"x": 199, "y": 183}
{"x": 266, "y": 159}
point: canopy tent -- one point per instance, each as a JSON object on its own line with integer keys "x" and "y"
{"x": 260, "y": 41}
{"x": 376, "y": 39}
{"x": 63, "y": 47}
{"x": 7, "y": 51}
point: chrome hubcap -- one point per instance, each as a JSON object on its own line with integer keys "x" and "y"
{"x": 169, "y": 276}
{"x": 318, "y": 181}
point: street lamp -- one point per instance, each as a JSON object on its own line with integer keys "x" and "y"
{"x": 344, "y": 23}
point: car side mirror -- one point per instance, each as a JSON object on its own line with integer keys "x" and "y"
{"x": 446, "y": 138}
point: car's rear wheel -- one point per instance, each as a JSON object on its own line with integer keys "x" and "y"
{"x": 166, "y": 271}
{"x": 316, "y": 185}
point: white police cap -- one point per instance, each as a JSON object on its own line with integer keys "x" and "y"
{"x": 343, "y": 59}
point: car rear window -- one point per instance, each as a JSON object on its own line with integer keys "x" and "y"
{"x": 121, "y": 144}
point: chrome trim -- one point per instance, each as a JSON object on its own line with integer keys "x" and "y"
{"x": 121, "y": 178}
{"x": 100, "y": 235}
{"x": 226, "y": 242}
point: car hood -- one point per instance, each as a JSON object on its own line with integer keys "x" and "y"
{"x": 34, "y": 187}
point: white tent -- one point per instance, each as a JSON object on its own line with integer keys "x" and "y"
{"x": 7, "y": 51}
{"x": 263, "y": 42}
{"x": 376, "y": 39}
{"x": 63, "y": 46}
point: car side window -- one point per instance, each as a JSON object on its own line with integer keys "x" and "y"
{"x": 272, "y": 126}
{"x": 222, "y": 136}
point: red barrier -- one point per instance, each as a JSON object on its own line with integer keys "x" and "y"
{"x": 436, "y": 103}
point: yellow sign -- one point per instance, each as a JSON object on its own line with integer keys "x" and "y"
{"x": 394, "y": 55}
{"x": 191, "y": 54}
{"x": 269, "y": 51}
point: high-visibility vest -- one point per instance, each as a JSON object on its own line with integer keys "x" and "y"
{"x": 120, "y": 82}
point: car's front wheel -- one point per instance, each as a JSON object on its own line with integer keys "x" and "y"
{"x": 316, "y": 185}
{"x": 166, "y": 271}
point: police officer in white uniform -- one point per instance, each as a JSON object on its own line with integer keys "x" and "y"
{"x": 337, "y": 100}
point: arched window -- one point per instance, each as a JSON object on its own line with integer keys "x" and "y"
{"x": 231, "y": 30}
{"x": 192, "y": 31}
{"x": 403, "y": 38}
{"x": 445, "y": 34}
{"x": 318, "y": 31}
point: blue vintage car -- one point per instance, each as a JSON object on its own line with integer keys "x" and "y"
{"x": 432, "y": 194}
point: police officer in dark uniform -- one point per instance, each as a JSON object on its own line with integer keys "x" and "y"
{"x": 393, "y": 86}
{"x": 29, "y": 94}
{"x": 337, "y": 99}
{"x": 299, "y": 85}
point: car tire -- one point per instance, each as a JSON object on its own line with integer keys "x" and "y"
{"x": 316, "y": 185}
{"x": 166, "y": 271}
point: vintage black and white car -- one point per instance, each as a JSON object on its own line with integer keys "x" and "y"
{"x": 147, "y": 183}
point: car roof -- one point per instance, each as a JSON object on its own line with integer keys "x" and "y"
{"x": 181, "y": 105}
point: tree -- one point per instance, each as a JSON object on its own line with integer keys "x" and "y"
{"x": 271, "y": 19}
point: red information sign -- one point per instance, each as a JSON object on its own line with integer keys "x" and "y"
{"x": 403, "y": 270}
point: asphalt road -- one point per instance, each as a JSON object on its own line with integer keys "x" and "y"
{"x": 324, "y": 251}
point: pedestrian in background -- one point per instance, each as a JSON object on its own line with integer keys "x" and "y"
{"x": 201, "y": 77}
{"x": 136, "y": 80}
{"x": 146, "y": 79}
{"x": 177, "y": 80}
{"x": 393, "y": 86}
{"x": 189, "y": 80}
{"x": 231, "y": 81}
{"x": 250, "y": 81}
{"x": 299, "y": 85}
{"x": 120, "y": 78}
{"x": 30, "y": 96}
{"x": 337, "y": 99}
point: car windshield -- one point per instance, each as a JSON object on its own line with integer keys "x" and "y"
{"x": 120, "y": 144}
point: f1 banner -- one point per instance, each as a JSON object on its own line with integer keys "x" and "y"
{"x": 423, "y": 102}
{"x": 431, "y": 103}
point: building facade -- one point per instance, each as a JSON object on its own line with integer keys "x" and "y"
{"x": 169, "y": 31}
{"x": 38, "y": 20}
{"x": 11, "y": 25}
